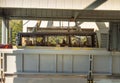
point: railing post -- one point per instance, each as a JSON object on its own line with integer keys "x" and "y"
{"x": 2, "y": 79}
{"x": 90, "y": 74}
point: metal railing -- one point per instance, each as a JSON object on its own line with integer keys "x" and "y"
{"x": 2, "y": 79}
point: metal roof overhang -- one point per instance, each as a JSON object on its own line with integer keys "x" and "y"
{"x": 59, "y": 14}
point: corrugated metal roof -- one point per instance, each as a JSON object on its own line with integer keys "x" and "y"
{"x": 60, "y": 9}
{"x": 63, "y": 4}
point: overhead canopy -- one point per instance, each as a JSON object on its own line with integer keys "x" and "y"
{"x": 62, "y": 4}
{"x": 59, "y": 14}
{"x": 87, "y": 10}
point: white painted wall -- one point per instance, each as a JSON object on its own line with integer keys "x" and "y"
{"x": 68, "y": 59}
{"x": 59, "y": 61}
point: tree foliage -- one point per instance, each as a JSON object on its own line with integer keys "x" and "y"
{"x": 16, "y": 26}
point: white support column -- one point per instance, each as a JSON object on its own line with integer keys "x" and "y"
{"x": 102, "y": 30}
{"x": 50, "y": 24}
{"x": 5, "y": 27}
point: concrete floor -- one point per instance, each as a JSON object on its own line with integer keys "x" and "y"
{"x": 59, "y": 80}
{"x": 108, "y": 81}
{"x": 45, "y": 80}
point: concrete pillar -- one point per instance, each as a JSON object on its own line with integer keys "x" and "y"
{"x": 102, "y": 29}
{"x": 5, "y": 27}
{"x": 60, "y": 24}
{"x": 114, "y": 36}
{"x": 50, "y": 24}
{"x": 10, "y": 35}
